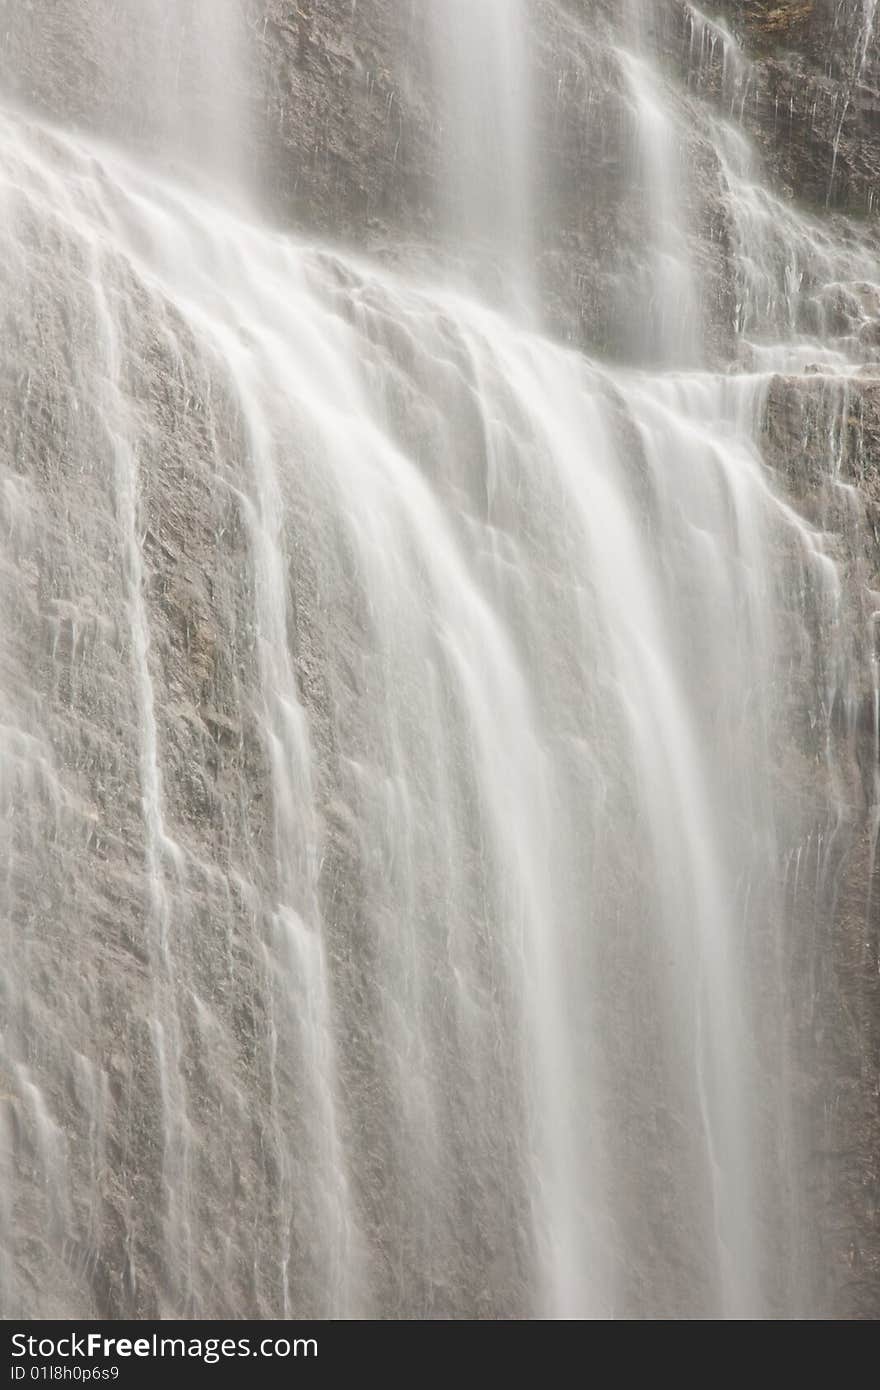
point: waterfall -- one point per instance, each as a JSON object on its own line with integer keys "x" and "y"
{"x": 421, "y": 740}
{"x": 480, "y": 53}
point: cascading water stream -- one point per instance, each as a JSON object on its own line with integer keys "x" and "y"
{"x": 480, "y": 54}
{"x": 404, "y": 724}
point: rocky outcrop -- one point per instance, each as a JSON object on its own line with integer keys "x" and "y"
{"x": 813, "y": 101}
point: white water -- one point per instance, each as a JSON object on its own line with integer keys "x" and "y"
{"x": 481, "y": 61}
{"x": 400, "y": 773}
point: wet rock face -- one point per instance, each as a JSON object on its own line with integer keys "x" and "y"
{"x": 835, "y": 940}
{"x": 338, "y": 118}
{"x": 815, "y": 105}
{"x": 337, "y": 110}
{"x": 340, "y": 126}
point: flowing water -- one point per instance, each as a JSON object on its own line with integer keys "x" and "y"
{"x": 407, "y": 727}
{"x": 480, "y": 56}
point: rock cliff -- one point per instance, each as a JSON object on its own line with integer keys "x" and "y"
{"x": 339, "y": 137}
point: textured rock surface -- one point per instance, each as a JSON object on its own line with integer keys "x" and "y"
{"x": 338, "y": 115}
{"x": 835, "y": 942}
